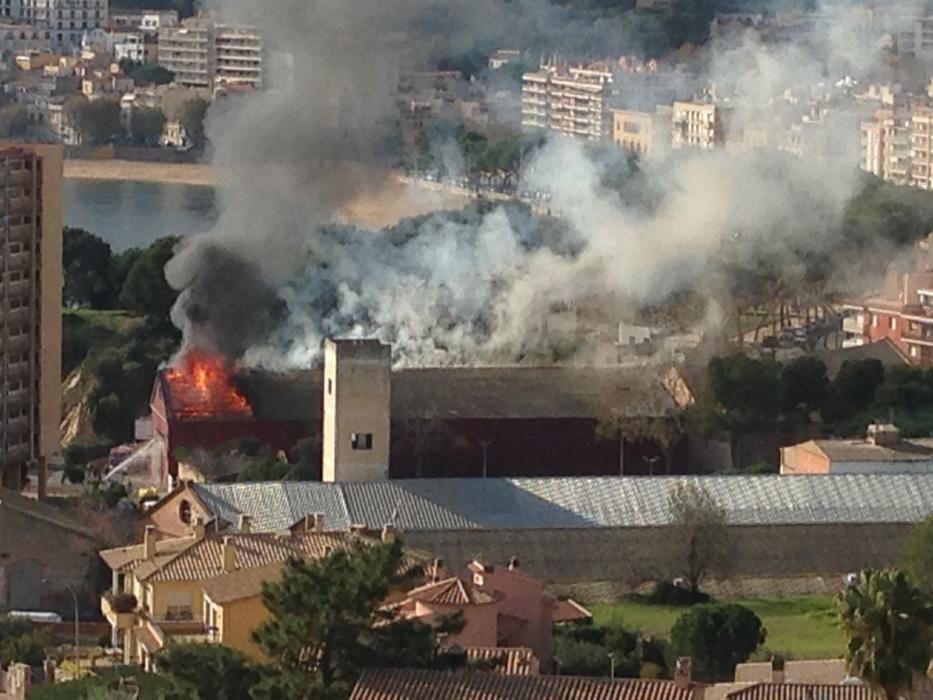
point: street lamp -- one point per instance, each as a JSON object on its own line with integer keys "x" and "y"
{"x": 612, "y": 665}
{"x": 74, "y": 598}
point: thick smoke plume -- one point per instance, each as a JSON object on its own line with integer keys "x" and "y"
{"x": 277, "y": 274}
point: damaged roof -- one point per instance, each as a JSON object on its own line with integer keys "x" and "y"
{"x": 463, "y": 392}
{"x": 571, "y": 502}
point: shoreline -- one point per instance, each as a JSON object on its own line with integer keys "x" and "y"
{"x": 199, "y": 174}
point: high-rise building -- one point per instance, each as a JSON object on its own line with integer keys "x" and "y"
{"x": 886, "y": 146}
{"x": 66, "y": 21}
{"x": 188, "y": 51}
{"x": 238, "y": 54}
{"x": 30, "y": 307}
{"x": 204, "y": 54}
{"x": 573, "y": 101}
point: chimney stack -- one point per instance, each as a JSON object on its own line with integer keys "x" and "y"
{"x": 244, "y": 523}
{"x": 199, "y": 527}
{"x": 388, "y": 534}
{"x": 437, "y": 568}
{"x": 314, "y": 522}
{"x": 228, "y": 554}
{"x": 149, "y": 542}
{"x": 683, "y": 673}
{"x": 777, "y": 669}
{"x": 883, "y": 434}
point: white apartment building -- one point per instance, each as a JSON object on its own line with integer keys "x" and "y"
{"x": 921, "y": 166}
{"x": 698, "y": 125}
{"x": 573, "y": 101}
{"x": 203, "y": 53}
{"x": 154, "y": 20}
{"x": 238, "y": 56}
{"x": 67, "y": 21}
{"x": 886, "y": 146}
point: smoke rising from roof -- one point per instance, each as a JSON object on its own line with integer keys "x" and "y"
{"x": 276, "y": 275}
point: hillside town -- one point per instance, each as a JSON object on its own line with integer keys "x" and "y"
{"x": 627, "y": 396}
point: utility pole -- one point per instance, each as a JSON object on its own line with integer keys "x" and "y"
{"x": 74, "y": 597}
{"x": 612, "y": 665}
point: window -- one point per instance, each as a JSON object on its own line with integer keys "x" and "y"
{"x": 874, "y": 320}
{"x": 914, "y": 351}
{"x": 361, "y": 441}
{"x": 892, "y": 323}
{"x": 184, "y": 512}
{"x": 330, "y": 387}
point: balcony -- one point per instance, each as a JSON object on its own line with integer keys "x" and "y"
{"x": 119, "y": 610}
{"x": 918, "y": 331}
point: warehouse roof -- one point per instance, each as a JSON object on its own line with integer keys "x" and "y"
{"x": 462, "y": 392}
{"x": 571, "y": 502}
{"x": 914, "y": 450}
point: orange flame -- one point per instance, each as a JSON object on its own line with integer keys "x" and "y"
{"x": 202, "y": 387}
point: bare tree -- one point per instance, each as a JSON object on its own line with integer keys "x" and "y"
{"x": 700, "y": 529}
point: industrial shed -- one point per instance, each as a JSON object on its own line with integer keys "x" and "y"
{"x": 592, "y": 529}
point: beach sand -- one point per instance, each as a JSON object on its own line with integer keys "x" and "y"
{"x": 139, "y": 171}
{"x": 383, "y": 201}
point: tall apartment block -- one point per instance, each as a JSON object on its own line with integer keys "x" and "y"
{"x": 203, "y": 54}
{"x": 65, "y": 21}
{"x": 573, "y": 101}
{"x": 886, "y": 146}
{"x": 30, "y": 307}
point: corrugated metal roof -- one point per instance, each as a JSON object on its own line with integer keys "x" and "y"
{"x": 453, "y": 504}
{"x": 276, "y": 505}
{"x": 412, "y": 684}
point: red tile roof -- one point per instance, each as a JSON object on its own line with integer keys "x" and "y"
{"x": 451, "y": 591}
{"x": 512, "y": 661}
{"x": 804, "y": 691}
{"x": 412, "y": 684}
{"x": 569, "y": 610}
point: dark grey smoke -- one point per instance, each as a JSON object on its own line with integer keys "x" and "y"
{"x": 226, "y": 306}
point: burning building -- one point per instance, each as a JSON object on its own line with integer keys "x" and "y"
{"x": 374, "y": 422}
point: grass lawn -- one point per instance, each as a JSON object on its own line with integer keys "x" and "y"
{"x": 798, "y": 628}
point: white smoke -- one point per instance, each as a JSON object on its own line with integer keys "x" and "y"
{"x": 481, "y": 287}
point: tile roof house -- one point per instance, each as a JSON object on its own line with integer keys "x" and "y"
{"x": 411, "y": 684}
{"x": 206, "y": 586}
{"x": 822, "y": 678}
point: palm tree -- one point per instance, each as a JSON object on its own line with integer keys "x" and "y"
{"x": 889, "y": 624}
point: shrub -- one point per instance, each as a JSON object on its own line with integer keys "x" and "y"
{"x": 717, "y": 637}
{"x": 666, "y": 593}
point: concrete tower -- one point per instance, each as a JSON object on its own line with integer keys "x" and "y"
{"x": 357, "y": 397}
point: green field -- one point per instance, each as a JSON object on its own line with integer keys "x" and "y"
{"x": 798, "y": 628}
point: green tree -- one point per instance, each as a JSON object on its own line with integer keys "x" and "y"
{"x": 97, "y": 121}
{"x": 747, "y": 394}
{"x": 889, "y": 625}
{"x": 86, "y": 259}
{"x": 14, "y": 121}
{"x": 145, "y": 289}
{"x": 20, "y": 643}
{"x": 192, "y": 115}
{"x": 700, "y": 529}
{"x": 805, "y": 385}
{"x": 917, "y": 557}
{"x": 146, "y": 125}
{"x": 146, "y": 73}
{"x": 322, "y": 625}
{"x": 583, "y": 650}
{"x": 852, "y": 390}
{"x": 206, "y": 672}
{"x": 717, "y": 637}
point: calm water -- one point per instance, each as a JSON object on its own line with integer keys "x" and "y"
{"x": 129, "y": 214}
